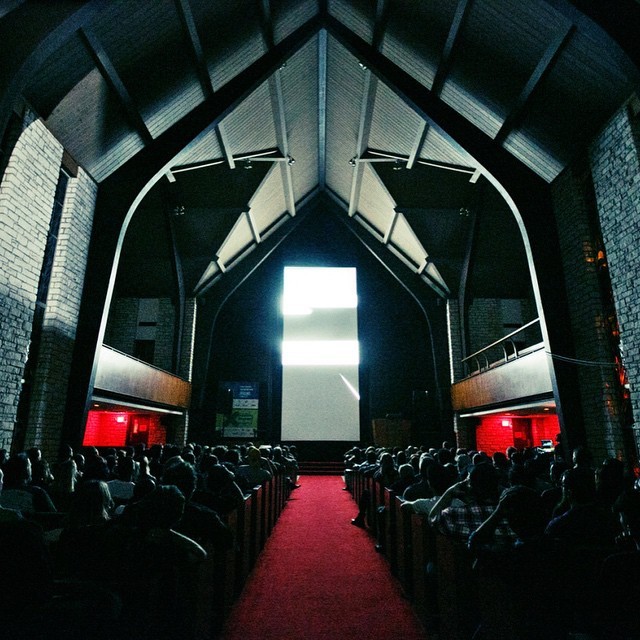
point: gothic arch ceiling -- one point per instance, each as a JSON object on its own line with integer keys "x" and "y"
{"x": 537, "y": 78}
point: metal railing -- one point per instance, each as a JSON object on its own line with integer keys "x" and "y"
{"x": 504, "y": 350}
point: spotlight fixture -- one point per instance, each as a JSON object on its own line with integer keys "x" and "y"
{"x": 179, "y": 210}
{"x": 290, "y": 161}
{"x": 353, "y": 161}
{"x": 464, "y": 212}
{"x": 248, "y": 164}
{"x": 362, "y": 66}
{"x": 398, "y": 166}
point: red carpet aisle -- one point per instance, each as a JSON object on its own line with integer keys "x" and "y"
{"x": 319, "y": 577}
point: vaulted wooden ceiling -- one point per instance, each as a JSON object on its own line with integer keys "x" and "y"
{"x": 537, "y": 78}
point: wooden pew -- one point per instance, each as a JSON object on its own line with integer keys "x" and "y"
{"x": 243, "y": 541}
{"x": 256, "y": 524}
{"x": 457, "y": 591}
{"x": 391, "y": 532}
{"x": 404, "y": 549}
{"x": 423, "y": 552}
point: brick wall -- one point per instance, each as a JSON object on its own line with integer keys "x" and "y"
{"x": 164, "y": 335}
{"x": 615, "y": 166}
{"x": 579, "y": 242}
{"x": 122, "y": 329}
{"x": 490, "y": 319}
{"x": 60, "y": 319}
{"x": 26, "y": 200}
{"x": 120, "y": 332}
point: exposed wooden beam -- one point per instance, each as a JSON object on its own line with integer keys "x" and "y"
{"x": 195, "y": 45}
{"x": 450, "y": 46}
{"x": 277, "y": 99}
{"x": 322, "y": 108}
{"x": 266, "y": 20}
{"x": 380, "y": 23}
{"x": 364, "y": 127}
{"x": 417, "y": 145}
{"x": 542, "y": 70}
{"x": 112, "y": 78}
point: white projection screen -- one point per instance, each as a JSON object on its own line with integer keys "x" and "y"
{"x": 320, "y": 354}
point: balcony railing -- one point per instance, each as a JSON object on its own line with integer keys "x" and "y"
{"x": 516, "y": 344}
{"x": 121, "y": 375}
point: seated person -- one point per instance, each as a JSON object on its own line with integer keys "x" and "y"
{"x": 467, "y": 504}
{"x": 439, "y": 480}
{"x": 421, "y": 488}
{"x": 121, "y": 488}
{"x": 253, "y": 472}
{"x": 586, "y": 522}
{"x": 18, "y": 493}
{"x": 198, "y": 522}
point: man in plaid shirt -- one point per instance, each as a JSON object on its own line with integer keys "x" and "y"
{"x": 467, "y": 504}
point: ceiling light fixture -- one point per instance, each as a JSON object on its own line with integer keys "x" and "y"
{"x": 247, "y": 164}
{"x": 397, "y": 165}
{"x": 290, "y": 161}
{"x": 353, "y": 161}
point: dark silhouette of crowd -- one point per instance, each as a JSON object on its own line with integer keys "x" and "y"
{"x": 111, "y": 543}
{"x": 553, "y": 544}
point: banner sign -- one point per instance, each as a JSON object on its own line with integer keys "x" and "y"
{"x": 242, "y": 420}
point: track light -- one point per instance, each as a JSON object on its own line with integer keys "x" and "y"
{"x": 290, "y": 161}
{"x": 353, "y": 161}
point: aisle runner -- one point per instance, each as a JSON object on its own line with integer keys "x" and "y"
{"x": 319, "y": 577}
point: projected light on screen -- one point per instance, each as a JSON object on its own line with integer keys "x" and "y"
{"x": 320, "y": 354}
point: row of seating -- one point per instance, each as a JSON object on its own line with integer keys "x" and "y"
{"x": 435, "y": 573}
{"x": 224, "y": 573}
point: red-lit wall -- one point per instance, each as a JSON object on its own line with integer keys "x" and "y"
{"x": 110, "y": 429}
{"x": 492, "y": 435}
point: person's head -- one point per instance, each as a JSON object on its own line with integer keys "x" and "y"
{"x": 143, "y": 487}
{"x": 500, "y": 461}
{"x": 438, "y": 479}
{"x": 91, "y": 504}
{"x": 386, "y": 462}
{"x": 444, "y": 455}
{"x": 463, "y": 462}
{"x": 581, "y": 457}
{"x": 406, "y": 472}
{"x": 218, "y": 476}
{"x": 66, "y": 476}
{"x": 557, "y": 468}
{"x": 254, "y": 459}
{"x": 483, "y": 481}
{"x": 425, "y": 462}
{"x": 579, "y": 486}
{"x": 161, "y": 509}
{"x": 524, "y": 511}
{"x": 17, "y": 471}
{"x": 125, "y": 469}
{"x": 183, "y": 476}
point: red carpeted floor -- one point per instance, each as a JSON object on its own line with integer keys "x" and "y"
{"x": 319, "y": 577}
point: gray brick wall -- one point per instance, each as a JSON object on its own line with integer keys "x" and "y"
{"x": 60, "y": 319}
{"x": 122, "y": 329}
{"x": 600, "y": 407}
{"x": 26, "y": 201}
{"x": 616, "y": 172}
{"x": 120, "y": 332}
